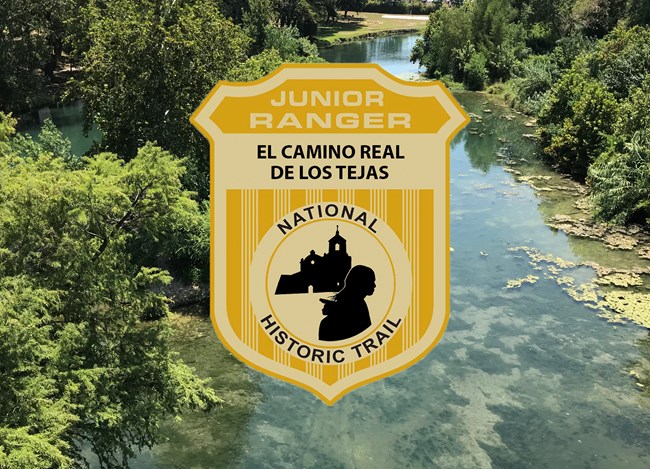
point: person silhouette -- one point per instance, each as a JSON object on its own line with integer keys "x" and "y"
{"x": 347, "y": 314}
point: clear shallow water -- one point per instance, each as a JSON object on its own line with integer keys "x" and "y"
{"x": 521, "y": 378}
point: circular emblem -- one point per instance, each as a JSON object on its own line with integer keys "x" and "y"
{"x": 330, "y": 283}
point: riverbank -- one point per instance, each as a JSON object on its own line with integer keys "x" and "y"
{"x": 618, "y": 257}
{"x": 365, "y": 25}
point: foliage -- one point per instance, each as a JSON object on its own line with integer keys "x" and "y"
{"x": 298, "y": 13}
{"x": 620, "y": 177}
{"x": 640, "y": 12}
{"x": 79, "y": 362}
{"x": 149, "y": 67}
{"x": 402, "y": 7}
{"x": 536, "y": 77}
{"x": 256, "y": 19}
{"x": 476, "y": 71}
{"x": 234, "y": 9}
{"x": 581, "y": 109}
{"x": 288, "y": 42}
{"x": 22, "y": 53}
{"x": 50, "y": 140}
{"x": 484, "y": 29}
{"x": 445, "y": 43}
{"x": 495, "y": 34}
{"x": 622, "y": 59}
{"x": 575, "y": 121}
{"x": 620, "y": 181}
{"x": 597, "y": 17}
{"x": 350, "y": 5}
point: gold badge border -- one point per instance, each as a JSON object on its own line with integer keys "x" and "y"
{"x": 466, "y": 119}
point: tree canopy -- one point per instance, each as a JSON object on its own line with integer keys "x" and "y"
{"x": 81, "y": 362}
{"x": 581, "y": 66}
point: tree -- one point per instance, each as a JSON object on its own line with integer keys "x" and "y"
{"x": 255, "y": 21}
{"x": 350, "y": 5}
{"x": 575, "y": 121}
{"x": 483, "y": 31}
{"x": 620, "y": 181}
{"x": 620, "y": 177}
{"x": 621, "y": 59}
{"x": 581, "y": 110}
{"x": 446, "y": 43}
{"x": 640, "y": 12}
{"x": 545, "y": 20}
{"x": 32, "y": 40}
{"x": 149, "y": 66}
{"x": 80, "y": 361}
{"x": 23, "y": 52}
{"x": 298, "y": 13}
{"x": 597, "y": 17}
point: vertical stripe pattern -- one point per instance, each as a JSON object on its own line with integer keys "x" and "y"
{"x": 408, "y": 212}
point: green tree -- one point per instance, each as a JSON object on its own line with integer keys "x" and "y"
{"x": 256, "y": 20}
{"x": 621, "y": 60}
{"x": 446, "y": 43}
{"x": 546, "y": 21}
{"x": 148, "y": 67}
{"x": 620, "y": 181}
{"x": 576, "y": 120}
{"x": 80, "y": 363}
{"x": 537, "y": 75}
{"x": 483, "y": 29}
{"x": 298, "y": 13}
{"x": 497, "y": 35}
{"x": 581, "y": 109}
{"x": 476, "y": 72}
{"x": 23, "y": 52}
{"x": 597, "y": 17}
{"x": 350, "y": 5}
{"x": 620, "y": 177}
{"x": 288, "y": 42}
{"x": 640, "y": 12}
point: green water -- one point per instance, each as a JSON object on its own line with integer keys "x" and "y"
{"x": 521, "y": 378}
{"x": 69, "y": 121}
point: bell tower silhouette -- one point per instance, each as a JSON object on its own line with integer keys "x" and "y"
{"x": 338, "y": 243}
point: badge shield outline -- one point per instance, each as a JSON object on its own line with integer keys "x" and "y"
{"x": 244, "y": 215}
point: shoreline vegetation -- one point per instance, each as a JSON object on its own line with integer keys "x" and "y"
{"x": 580, "y": 67}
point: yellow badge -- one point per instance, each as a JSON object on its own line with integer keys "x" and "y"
{"x": 330, "y": 221}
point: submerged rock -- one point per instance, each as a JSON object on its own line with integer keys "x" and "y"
{"x": 644, "y": 252}
{"x": 621, "y": 279}
{"x": 614, "y": 306}
{"x": 630, "y": 304}
{"x": 614, "y": 237}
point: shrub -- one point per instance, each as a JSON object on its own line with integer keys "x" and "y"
{"x": 620, "y": 180}
{"x": 537, "y": 74}
{"x": 576, "y": 120}
{"x": 476, "y": 73}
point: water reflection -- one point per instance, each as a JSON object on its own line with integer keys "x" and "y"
{"x": 390, "y": 52}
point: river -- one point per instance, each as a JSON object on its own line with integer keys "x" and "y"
{"x": 523, "y": 377}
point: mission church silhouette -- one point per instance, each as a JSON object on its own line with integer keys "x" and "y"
{"x": 319, "y": 274}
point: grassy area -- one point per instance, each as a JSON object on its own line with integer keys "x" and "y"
{"x": 359, "y": 25}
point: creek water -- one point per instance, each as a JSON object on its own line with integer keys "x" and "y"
{"x": 522, "y": 378}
